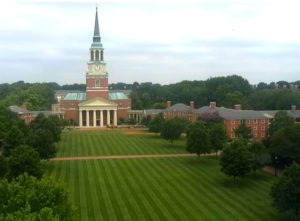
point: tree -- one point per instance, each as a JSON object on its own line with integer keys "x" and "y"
{"x": 243, "y": 131}
{"x": 172, "y": 129}
{"x": 13, "y": 139}
{"x": 42, "y": 141}
{"x": 24, "y": 159}
{"x": 217, "y": 136}
{"x": 27, "y": 198}
{"x": 156, "y": 124}
{"x": 286, "y": 142}
{"x": 281, "y": 120}
{"x": 236, "y": 159}
{"x": 3, "y": 166}
{"x": 198, "y": 139}
{"x": 256, "y": 148}
{"x": 285, "y": 192}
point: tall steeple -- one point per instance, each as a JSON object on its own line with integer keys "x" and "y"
{"x": 96, "y": 38}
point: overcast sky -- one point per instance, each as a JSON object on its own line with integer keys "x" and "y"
{"x": 158, "y": 41}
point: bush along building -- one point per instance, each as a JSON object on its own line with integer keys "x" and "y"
{"x": 97, "y": 106}
{"x": 259, "y": 121}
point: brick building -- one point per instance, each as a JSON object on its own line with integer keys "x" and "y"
{"x": 259, "y": 121}
{"x": 97, "y": 106}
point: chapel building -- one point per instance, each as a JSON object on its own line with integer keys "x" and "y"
{"x": 97, "y": 107}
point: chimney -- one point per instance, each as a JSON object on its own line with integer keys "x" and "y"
{"x": 192, "y": 105}
{"x": 238, "y": 107}
{"x": 294, "y": 109}
{"x": 24, "y": 106}
{"x": 212, "y": 105}
{"x": 168, "y": 104}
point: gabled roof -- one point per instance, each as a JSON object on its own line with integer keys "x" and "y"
{"x": 178, "y": 108}
{"x": 97, "y": 101}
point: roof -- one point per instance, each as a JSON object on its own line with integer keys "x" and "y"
{"x": 232, "y": 114}
{"x": 117, "y": 96}
{"x": 18, "y": 110}
{"x": 67, "y": 91}
{"x": 96, "y": 102}
{"x": 75, "y": 97}
{"x": 178, "y": 108}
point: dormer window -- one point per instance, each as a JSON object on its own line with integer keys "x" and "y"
{"x": 97, "y": 83}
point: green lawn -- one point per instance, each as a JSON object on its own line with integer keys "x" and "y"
{"x": 97, "y": 143}
{"x": 156, "y": 188}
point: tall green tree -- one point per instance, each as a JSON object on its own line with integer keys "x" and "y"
{"x": 198, "y": 141}
{"x": 281, "y": 120}
{"x": 236, "y": 159}
{"x": 3, "y": 166}
{"x": 27, "y": 198}
{"x": 243, "y": 131}
{"x": 24, "y": 159}
{"x": 257, "y": 148}
{"x": 156, "y": 123}
{"x": 286, "y": 142}
{"x": 13, "y": 139}
{"x": 217, "y": 136}
{"x": 285, "y": 192}
{"x": 172, "y": 129}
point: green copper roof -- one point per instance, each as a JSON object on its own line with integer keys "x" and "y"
{"x": 117, "y": 96}
{"x": 96, "y": 38}
{"x": 75, "y": 97}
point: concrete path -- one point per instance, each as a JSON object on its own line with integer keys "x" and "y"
{"x": 126, "y": 157}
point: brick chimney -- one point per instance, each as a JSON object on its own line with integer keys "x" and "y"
{"x": 169, "y": 104}
{"x": 294, "y": 108}
{"x": 238, "y": 107}
{"x": 24, "y": 106}
{"x": 212, "y": 105}
{"x": 192, "y": 105}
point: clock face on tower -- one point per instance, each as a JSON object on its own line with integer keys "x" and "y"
{"x": 97, "y": 67}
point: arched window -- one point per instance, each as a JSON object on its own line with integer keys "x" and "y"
{"x": 101, "y": 55}
{"x": 97, "y": 55}
{"x": 92, "y": 55}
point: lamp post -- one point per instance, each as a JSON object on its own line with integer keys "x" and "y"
{"x": 275, "y": 165}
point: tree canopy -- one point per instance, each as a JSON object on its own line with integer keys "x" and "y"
{"x": 156, "y": 123}
{"x": 172, "y": 129}
{"x": 27, "y": 198}
{"x": 285, "y": 192}
{"x": 243, "y": 131}
{"x": 236, "y": 159}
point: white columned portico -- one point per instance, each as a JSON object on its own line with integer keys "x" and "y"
{"x": 108, "y": 117}
{"x": 87, "y": 118}
{"x": 80, "y": 118}
{"x": 115, "y": 118}
{"x": 101, "y": 118}
{"x": 94, "y": 118}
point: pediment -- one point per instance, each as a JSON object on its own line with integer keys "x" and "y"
{"x": 98, "y": 101}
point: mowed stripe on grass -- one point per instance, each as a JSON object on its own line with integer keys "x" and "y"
{"x": 104, "y": 143}
{"x": 163, "y": 189}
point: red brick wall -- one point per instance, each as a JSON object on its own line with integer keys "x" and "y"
{"x": 260, "y": 124}
{"x": 71, "y": 110}
{"x": 93, "y": 94}
{"x": 123, "y": 113}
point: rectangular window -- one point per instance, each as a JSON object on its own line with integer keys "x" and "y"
{"x": 262, "y": 121}
{"x": 232, "y": 128}
{"x": 255, "y": 121}
{"x": 248, "y": 121}
{"x": 262, "y": 135}
{"x": 254, "y": 127}
{"x": 97, "y": 83}
{"x": 255, "y": 135}
{"x": 262, "y": 127}
{"x": 233, "y": 122}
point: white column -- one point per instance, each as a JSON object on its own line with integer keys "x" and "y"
{"x": 80, "y": 118}
{"x": 87, "y": 118}
{"x": 115, "y": 118}
{"x": 108, "y": 117}
{"x": 94, "y": 118}
{"x": 101, "y": 118}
